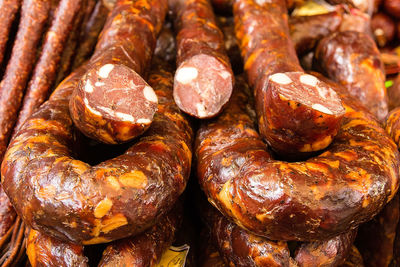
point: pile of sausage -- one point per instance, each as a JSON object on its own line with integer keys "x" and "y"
{"x": 280, "y": 106}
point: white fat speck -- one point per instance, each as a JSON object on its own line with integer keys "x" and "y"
{"x": 149, "y": 94}
{"x": 90, "y": 108}
{"x": 201, "y": 111}
{"x": 99, "y": 84}
{"x": 143, "y": 121}
{"x": 88, "y": 87}
{"x": 186, "y": 74}
{"x": 123, "y": 116}
{"x": 105, "y": 70}
{"x": 225, "y": 75}
{"x": 309, "y": 80}
{"x": 321, "y": 108}
{"x": 324, "y": 92}
{"x": 280, "y": 78}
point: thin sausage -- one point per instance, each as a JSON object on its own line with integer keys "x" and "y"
{"x": 73, "y": 201}
{"x": 8, "y": 11}
{"x": 113, "y": 103}
{"x": 45, "y": 70}
{"x": 203, "y": 80}
{"x": 312, "y": 200}
{"x": 353, "y": 60}
{"x": 297, "y": 113}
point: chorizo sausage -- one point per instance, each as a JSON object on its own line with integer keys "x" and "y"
{"x": 392, "y": 7}
{"x": 203, "y": 80}
{"x": 45, "y": 70}
{"x": 375, "y": 238}
{"x": 355, "y": 20}
{"x": 297, "y": 113}
{"x": 394, "y": 94}
{"x": 8, "y": 11}
{"x": 353, "y": 60}
{"x": 34, "y": 14}
{"x": 73, "y": 201}
{"x": 312, "y": 200}
{"x": 113, "y": 103}
{"x": 145, "y": 249}
{"x": 90, "y": 33}
{"x": 43, "y": 251}
{"x": 383, "y": 28}
{"x": 354, "y": 259}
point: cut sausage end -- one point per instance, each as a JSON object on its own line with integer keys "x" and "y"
{"x": 115, "y": 104}
{"x": 202, "y": 86}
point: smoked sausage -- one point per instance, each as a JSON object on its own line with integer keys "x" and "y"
{"x": 113, "y": 103}
{"x": 8, "y": 11}
{"x": 312, "y": 200}
{"x": 70, "y": 200}
{"x": 203, "y": 80}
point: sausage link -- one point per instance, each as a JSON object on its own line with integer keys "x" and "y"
{"x": 353, "y": 60}
{"x": 34, "y": 14}
{"x": 166, "y": 46}
{"x": 90, "y": 33}
{"x": 145, "y": 249}
{"x": 73, "y": 201}
{"x": 354, "y": 259}
{"x": 7, "y": 213}
{"x": 384, "y": 28}
{"x": 297, "y": 113}
{"x": 113, "y": 103}
{"x": 393, "y": 125}
{"x": 333, "y": 252}
{"x": 313, "y": 200}
{"x": 203, "y": 80}
{"x": 44, "y": 251}
{"x": 8, "y": 11}
{"x": 375, "y": 239}
{"x": 306, "y": 31}
{"x": 45, "y": 70}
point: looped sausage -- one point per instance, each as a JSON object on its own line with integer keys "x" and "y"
{"x": 203, "y": 80}
{"x": 113, "y": 103}
{"x": 68, "y": 199}
{"x": 292, "y": 107}
{"x": 307, "y": 201}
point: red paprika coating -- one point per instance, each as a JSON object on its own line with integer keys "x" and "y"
{"x": 8, "y": 11}
{"x": 312, "y": 200}
{"x": 269, "y": 55}
{"x": 113, "y": 103}
{"x": 73, "y": 201}
{"x": 353, "y": 60}
{"x": 203, "y": 80}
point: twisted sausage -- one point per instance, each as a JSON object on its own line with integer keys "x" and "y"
{"x": 203, "y": 80}
{"x": 113, "y": 103}
{"x": 313, "y": 200}
{"x": 297, "y": 113}
{"x": 73, "y": 201}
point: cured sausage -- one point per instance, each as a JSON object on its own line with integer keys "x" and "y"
{"x": 297, "y": 113}
{"x": 145, "y": 249}
{"x": 8, "y": 11}
{"x": 306, "y": 31}
{"x": 43, "y": 251}
{"x": 312, "y": 200}
{"x": 392, "y": 7}
{"x": 394, "y": 94}
{"x": 356, "y": 20}
{"x": 113, "y": 103}
{"x": 34, "y": 14}
{"x": 383, "y": 27}
{"x": 375, "y": 238}
{"x": 353, "y": 60}
{"x": 70, "y": 200}
{"x": 45, "y": 70}
{"x": 203, "y": 80}
{"x": 354, "y": 259}
{"x": 90, "y": 33}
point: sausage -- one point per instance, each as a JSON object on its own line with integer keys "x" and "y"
{"x": 394, "y": 94}
{"x": 166, "y": 46}
{"x": 204, "y": 79}
{"x": 354, "y": 259}
{"x": 7, "y": 213}
{"x": 113, "y": 103}
{"x": 45, "y": 73}
{"x": 73, "y": 201}
{"x": 364, "y": 6}
{"x": 392, "y": 7}
{"x": 375, "y": 238}
{"x": 145, "y": 249}
{"x": 297, "y": 113}
{"x": 43, "y": 250}
{"x": 8, "y": 11}
{"x": 392, "y": 126}
{"x": 306, "y": 31}
{"x": 353, "y": 60}
{"x": 356, "y": 20}
{"x": 383, "y": 28}
{"x": 333, "y": 252}
{"x": 34, "y": 14}
{"x": 311, "y": 200}
{"x": 90, "y": 33}
{"x": 14, "y": 251}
